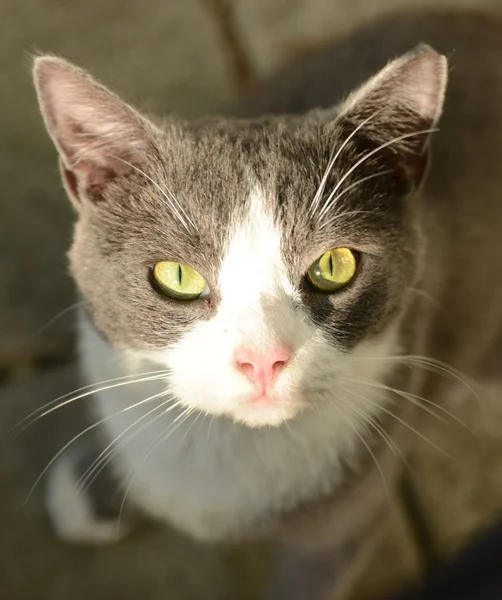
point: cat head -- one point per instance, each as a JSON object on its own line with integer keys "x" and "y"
{"x": 265, "y": 263}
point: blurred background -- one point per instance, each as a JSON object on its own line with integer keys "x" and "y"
{"x": 190, "y": 57}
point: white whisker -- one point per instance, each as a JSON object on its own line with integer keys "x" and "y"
{"x": 210, "y": 424}
{"x": 110, "y": 451}
{"x": 59, "y": 315}
{"x": 77, "y": 437}
{"x": 427, "y": 296}
{"x": 404, "y": 423}
{"x": 180, "y": 419}
{"x": 375, "y": 425}
{"x": 431, "y": 364}
{"x": 171, "y": 199}
{"x": 366, "y": 157}
{"x": 35, "y": 417}
{"x": 344, "y": 191}
{"x": 413, "y": 398}
{"x": 367, "y": 446}
{"x": 329, "y": 168}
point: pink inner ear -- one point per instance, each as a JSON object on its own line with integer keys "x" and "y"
{"x": 97, "y": 134}
{"x": 70, "y": 181}
{"x": 414, "y": 169}
{"x": 415, "y": 82}
{"x": 92, "y": 158}
{"x": 88, "y": 180}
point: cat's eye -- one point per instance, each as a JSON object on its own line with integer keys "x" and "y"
{"x": 334, "y": 270}
{"x": 179, "y": 281}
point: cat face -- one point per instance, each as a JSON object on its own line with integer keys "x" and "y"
{"x": 264, "y": 263}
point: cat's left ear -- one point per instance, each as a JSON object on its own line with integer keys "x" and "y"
{"x": 98, "y": 136}
{"x": 399, "y": 106}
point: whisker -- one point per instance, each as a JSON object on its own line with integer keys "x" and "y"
{"x": 413, "y": 398}
{"x": 285, "y": 422}
{"x": 329, "y": 168}
{"x": 347, "y": 189}
{"x": 395, "y": 449}
{"x": 366, "y": 421}
{"x": 369, "y": 155}
{"x": 427, "y": 296}
{"x": 171, "y": 199}
{"x": 156, "y": 443}
{"x": 77, "y": 437}
{"x": 378, "y": 428}
{"x": 430, "y": 364}
{"x": 59, "y": 315}
{"x": 34, "y": 416}
{"x": 407, "y": 425}
{"x": 368, "y": 448}
{"x": 110, "y": 451}
{"x": 191, "y": 425}
{"x": 83, "y": 485}
{"x": 349, "y": 213}
{"x": 209, "y": 426}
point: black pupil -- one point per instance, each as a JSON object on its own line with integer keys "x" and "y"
{"x": 180, "y": 273}
{"x": 331, "y": 264}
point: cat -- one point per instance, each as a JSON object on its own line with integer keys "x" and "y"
{"x": 257, "y": 286}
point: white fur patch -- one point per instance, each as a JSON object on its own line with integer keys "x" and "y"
{"x": 71, "y": 514}
{"x": 253, "y": 264}
{"x": 255, "y": 313}
{"x": 205, "y": 472}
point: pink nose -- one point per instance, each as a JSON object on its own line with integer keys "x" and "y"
{"x": 261, "y": 369}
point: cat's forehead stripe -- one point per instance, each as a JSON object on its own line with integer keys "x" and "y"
{"x": 253, "y": 265}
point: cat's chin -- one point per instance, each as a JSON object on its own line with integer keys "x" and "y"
{"x": 256, "y": 415}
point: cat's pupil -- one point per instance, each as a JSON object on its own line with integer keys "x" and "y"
{"x": 331, "y": 264}
{"x": 180, "y": 274}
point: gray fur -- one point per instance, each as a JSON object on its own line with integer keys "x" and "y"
{"x": 126, "y": 225}
{"x": 443, "y": 242}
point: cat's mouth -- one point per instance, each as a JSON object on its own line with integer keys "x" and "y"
{"x": 265, "y": 410}
{"x": 264, "y": 398}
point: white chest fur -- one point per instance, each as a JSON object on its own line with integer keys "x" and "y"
{"x": 213, "y": 478}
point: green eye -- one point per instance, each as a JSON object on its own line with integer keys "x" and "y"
{"x": 178, "y": 281}
{"x": 334, "y": 270}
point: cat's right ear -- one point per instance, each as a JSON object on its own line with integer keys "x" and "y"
{"x": 400, "y": 107}
{"x": 97, "y": 135}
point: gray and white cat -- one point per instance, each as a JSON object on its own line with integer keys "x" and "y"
{"x": 252, "y": 286}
